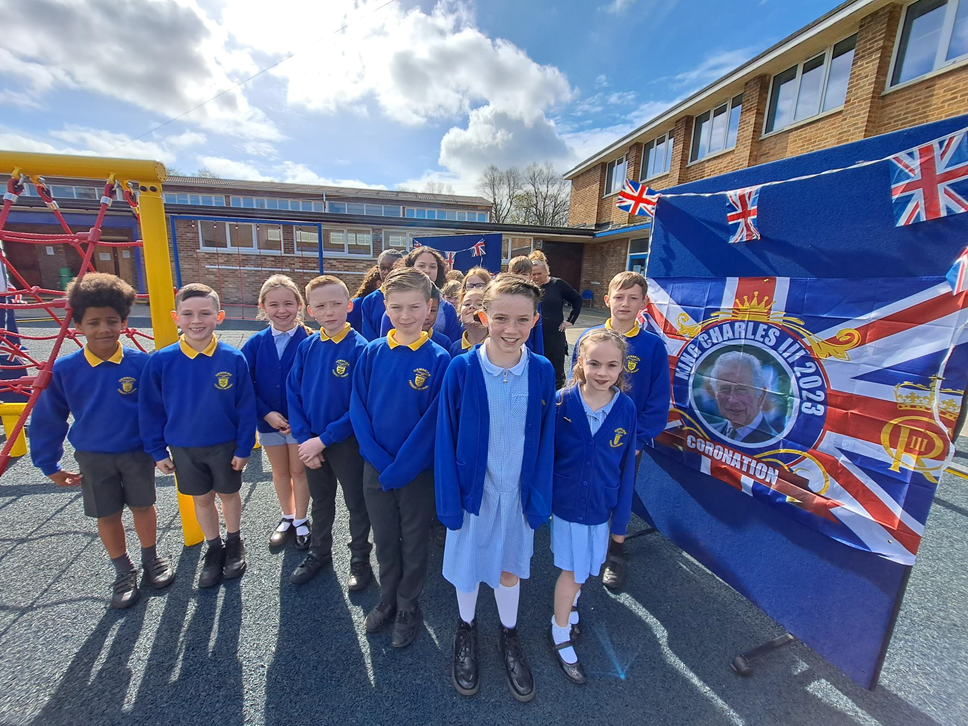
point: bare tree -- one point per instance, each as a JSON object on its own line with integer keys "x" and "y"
{"x": 207, "y": 174}
{"x": 436, "y": 187}
{"x": 545, "y": 196}
{"x": 501, "y": 188}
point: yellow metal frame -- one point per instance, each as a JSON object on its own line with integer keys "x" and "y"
{"x": 149, "y": 176}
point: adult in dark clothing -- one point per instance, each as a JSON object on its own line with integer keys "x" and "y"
{"x": 555, "y": 293}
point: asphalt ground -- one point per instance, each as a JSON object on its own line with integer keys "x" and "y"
{"x": 260, "y": 651}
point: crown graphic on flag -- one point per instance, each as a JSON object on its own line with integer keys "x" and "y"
{"x": 637, "y": 199}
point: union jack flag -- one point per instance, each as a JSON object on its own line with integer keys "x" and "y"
{"x": 855, "y": 419}
{"x": 478, "y": 249}
{"x": 450, "y": 256}
{"x": 741, "y": 214}
{"x": 957, "y": 276}
{"x": 637, "y": 199}
{"x": 930, "y": 181}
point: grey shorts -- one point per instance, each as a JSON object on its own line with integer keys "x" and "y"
{"x": 109, "y": 481}
{"x": 201, "y": 469}
{"x": 274, "y": 438}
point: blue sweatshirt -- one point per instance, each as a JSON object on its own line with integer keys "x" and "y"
{"x": 394, "y": 406}
{"x": 197, "y": 399}
{"x": 355, "y": 316}
{"x": 463, "y": 428}
{"x": 102, "y": 395}
{"x": 536, "y": 339}
{"x": 371, "y": 314}
{"x": 647, "y": 371}
{"x": 460, "y": 346}
{"x": 269, "y": 373}
{"x": 320, "y": 385}
{"x": 440, "y": 339}
{"x": 448, "y": 323}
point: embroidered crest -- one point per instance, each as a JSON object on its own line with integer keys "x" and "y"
{"x": 342, "y": 368}
{"x": 632, "y": 363}
{"x": 617, "y": 439}
{"x": 128, "y": 385}
{"x": 223, "y": 380}
{"x": 420, "y": 378}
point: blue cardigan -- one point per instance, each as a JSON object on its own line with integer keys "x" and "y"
{"x": 594, "y": 475}
{"x": 463, "y": 425}
{"x": 269, "y": 374}
{"x": 372, "y": 308}
{"x": 355, "y": 316}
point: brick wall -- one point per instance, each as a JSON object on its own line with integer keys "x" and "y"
{"x": 603, "y": 260}
{"x": 586, "y": 190}
{"x": 938, "y": 97}
{"x": 821, "y": 133}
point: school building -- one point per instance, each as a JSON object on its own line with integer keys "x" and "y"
{"x": 867, "y": 67}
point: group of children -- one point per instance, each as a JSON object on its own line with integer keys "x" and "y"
{"x": 444, "y": 418}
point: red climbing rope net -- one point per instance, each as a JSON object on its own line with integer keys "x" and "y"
{"x": 15, "y": 354}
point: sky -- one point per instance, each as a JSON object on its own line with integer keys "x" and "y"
{"x": 367, "y": 93}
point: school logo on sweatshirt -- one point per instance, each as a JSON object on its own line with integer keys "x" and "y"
{"x": 632, "y": 363}
{"x": 223, "y": 380}
{"x": 128, "y": 385}
{"x": 420, "y": 378}
{"x": 342, "y": 369}
{"x": 616, "y": 441}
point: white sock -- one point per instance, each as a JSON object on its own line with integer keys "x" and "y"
{"x": 573, "y": 617}
{"x": 301, "y": 529}
{"x": 467, "y": 603}
{"x": 563, "y": 635}
{"x": 285, "y": 524}
{"x": 507, "y": 604}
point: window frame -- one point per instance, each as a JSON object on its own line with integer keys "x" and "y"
{"x": 828, "y": 57}
{"x": 345, "y": 231}
{"x": 230, "y": 248}
{"x": 728, "y": 103}
{"x": 610, "y": 172}
{"x": 668, "y": 138}
{"x": 947, "y": 30}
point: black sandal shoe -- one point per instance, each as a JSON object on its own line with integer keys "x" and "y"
{"x": 573, "y": 671}
{"x": 279, "y": 537}
{"x": 575, "y": 633}
{"x": 303, "y": 540}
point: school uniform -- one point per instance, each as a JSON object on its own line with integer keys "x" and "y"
{"x": 319, "y": 388}
{"x": 594, "y": 478}
{"x": 393, "y": 410}
{"x": 103, "y": 397}
{"x": 440, "y": 339}
{"x": 536, "y": 339}
{"x": 201, "y": 405}
{"x": 647, "y": 371}
{"x": 447, "y": 323}
{"x": 493, "y": 465}
{"x": 372, "y": 308}
{"x": 355, "y": 316}
{"x": 461, "y": 346}
{"x": 269, "y": 354}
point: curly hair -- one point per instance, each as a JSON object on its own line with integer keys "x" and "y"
{"x": 601, "y": 336}
{"x": 99, "y": 290}
{"x": 371, "y": 282}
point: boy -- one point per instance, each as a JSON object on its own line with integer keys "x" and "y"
{"x": 373, "y": 305}
{"x": 451, "y": 290}
{"x": 198, "y": 400}
{"x": 647, "y": 371}
{"x": 318, "y": 389}
{"x": 394, "y": 414}
{"x": 435, "y": 335}
{"x": 100, "y": 385}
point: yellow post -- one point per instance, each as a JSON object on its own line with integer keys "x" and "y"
{"x": 10, "y": 413}
{"x": 162, "y": 301}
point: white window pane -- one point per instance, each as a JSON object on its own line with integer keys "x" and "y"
{"x": 317, "y": 206}
{"x": 272, "y": 204}
{"x": 717, "y": 137}
{"x": 307, "y": 206}
{"x": 236, "y": 201}
{"x": 207, "y": 200}
{"x": 260, "y": 203}
{"x": 183, "y": 199}
{"x": 392, "y": 211}
{"x": 86, "y": 193}
{"x": 959, "y": 35}
{"x": 307, "y": 240}
{"x": 811, "y": 78}
{"x": 337, "y": 207}
{"x": 248, "y": 202}
{"x": 843, "y": 59}
{"x": 919, "y": 39}
{"x": 700, "y": 136}
{"x": 241, "y": 236}
{"x": 735, "y": 110}
{"x": 782, "y": 100}
{"x": 212, "y": 234}
{"x": 618, "y": 177}
{"x": 270, "y": 237}
{"x": 421, "y": 213}
{"x": 451, "y": 215}
{"x": 356, "y": 209}
{"x": 411, "y": 213}
{"x": 219, "y": 201}
{"x": 396, "y": 240}
{"x": 194, "y": 199}
{"x": 334, "y": 242}
{"x": 358, "y": 243}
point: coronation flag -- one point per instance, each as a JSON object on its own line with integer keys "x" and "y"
{"x": 741, "y": 214}
{"x": 957, "y": 276}
{"x": 930, "y": 181}
{"x": 822, "y": 397}
{"x": 637, "y": 199}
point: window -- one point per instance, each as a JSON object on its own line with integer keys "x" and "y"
{"x": 482, "y": 216}
{"x": 355, "y": 242}
{"x": 356, "y": 209}
{"x": 615, "y": 173}
{"x": 934, "y": 34}
{"x": 294, "y": 205}
{"x": 213, "y": 235}
{"x": 240, "y": 236}
{"x": 809, "y": 88}
{"x": 657, "y": 156}
{"x": 269, "y": 237}
{"x": 307, "y": 240}
{"x": 716, "y": 130}
{"x": 392, "y": 211}
{"x": 397, "y": 239}
{"x": 519, "y": 246}
{"x": 337, "y": 207}
{"x": 86, "y": 193}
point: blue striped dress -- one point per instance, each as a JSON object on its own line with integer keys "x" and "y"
{"x": 499, "y": 538}
{"x": 582, "y": 548}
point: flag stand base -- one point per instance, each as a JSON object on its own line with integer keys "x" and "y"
{"x": 741, "y": 664}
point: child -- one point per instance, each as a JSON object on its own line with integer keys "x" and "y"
{"x": 471, "y": 304}
{"x": 373, "y": 307}
{"x": 430, "y": 262}
{"x": 100, "y": 386}
{"x": 435, "y": 335}
{"x": 197, "y": 398}
{"x": 594, "y": 480}
{"x": 476, "y": 278}
{"x": 455, "y": 276}
{"x": 451, "y": 291}
{"x": 269, "y": 354}
{"x": 521, "y": 265}
{"x": 394, "y": 411}
{"x": 319, "y": 389}
{"x": 647, "y": 371}
{"x": 371, "y": 283}
{"x": 494, "y": 461}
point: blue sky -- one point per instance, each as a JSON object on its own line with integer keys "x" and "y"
{"x": 409, "y": 92}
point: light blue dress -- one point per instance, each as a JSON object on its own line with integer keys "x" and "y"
{"x": 499, "y": 539}
{"x": 582, "y": 548}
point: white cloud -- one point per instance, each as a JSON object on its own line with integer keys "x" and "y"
{"x": 621, "y": 98}
{"x": 186, "y": 140}
{"x": 601, "y": 81}
{"x": 99, "y": 142}
{"x": 712, "y": 67}
{"x": 259, "y": 148}
{"x": 302, "y": 174}
{"x": 231, "y": 169}
{"x": 617, "y": 6}
{"x": 290, "y": 172}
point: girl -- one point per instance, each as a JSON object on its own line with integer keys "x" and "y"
{"x": 270, "y": 354}
{"x": 474, "y": 331}
{"x": 493, "y": 469}
{"x": 594, "y": 475}
{"x": 371, "y": 282}
{"x": 522, "y": 266}
{"x": 430, "y": 262}
{"x": 451, "y": 292}
{"x": 475, "y": 279}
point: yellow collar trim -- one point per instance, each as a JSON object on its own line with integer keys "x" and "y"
{"x": 465, "y": 343}
{"x": 192, "y": 353}
{"x": 338, "y": 337}
{"x": 392, "y": 340}
{"x": 633, "y": 331}
{"x": 95, "y": 361}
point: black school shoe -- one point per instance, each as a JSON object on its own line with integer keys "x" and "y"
{"x": 308, "y": 568}
{"x": 361, "y": 575}
{"x": 516, "y": 669}
{"x": 158, "y": 573}
{"x": 303, "y": 540}
{"x": 234, "y": 559}
{"x": 212, "y": 566}
{"x": 380, "y": 616}
{"x": 439, "y": 533}
{"x": 573, "y": 671}
{"x": 465, "y": 674}
{"x": 279, "y": 537}
{"x": 125, "y": 590}
{"x": 405, "y": 627}
{"x": 614, "y": 576}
